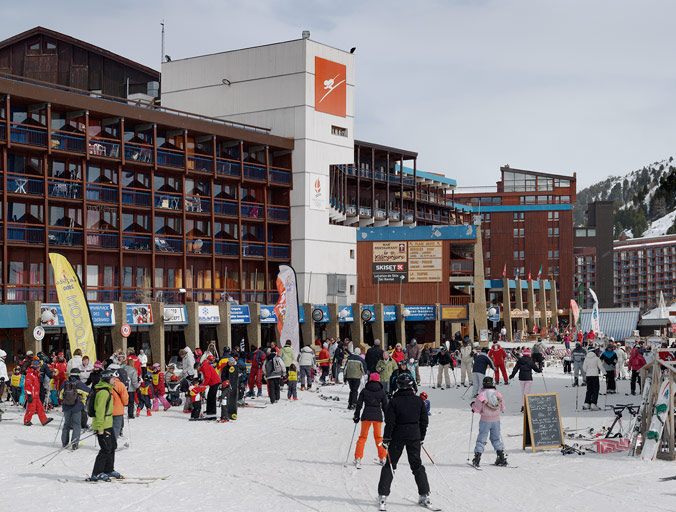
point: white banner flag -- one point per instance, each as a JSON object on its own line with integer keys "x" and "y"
{"x": 286, "y": 309}
{"x": 595, "y": 323}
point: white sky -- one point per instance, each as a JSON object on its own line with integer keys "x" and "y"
{"x": 559, "y": 86}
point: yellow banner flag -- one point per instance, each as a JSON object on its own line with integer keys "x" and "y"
{"x": 74, "y": 306}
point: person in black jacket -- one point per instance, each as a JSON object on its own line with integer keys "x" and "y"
{"x": 374, "y": 401}
{"x": 405, "y": 426}
{"x": 445, "y": 362}
{"x": 373, "y": 355}
{"x": 402, "y": 369}
{"x": 481, "y": 363}
{"x": 525, "y": 366}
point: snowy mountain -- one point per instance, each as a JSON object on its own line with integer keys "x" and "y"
{"x": 645, "y": 200}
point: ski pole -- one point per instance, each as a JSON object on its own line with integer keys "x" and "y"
{"x": 469, "y": 443}
{"x": 56, "y": 452}
{"x": 544, "y": 381}
{"x": 56, "y": 434}
{"x": 389, "y": 460}
{"x": 463, "y": 395}
{"x": 431, "y": 374}
{"x": 454, "y": 377}
{"x": 349, "y": 448}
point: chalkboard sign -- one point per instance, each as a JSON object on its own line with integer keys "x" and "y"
{"x": 542, "y": 422}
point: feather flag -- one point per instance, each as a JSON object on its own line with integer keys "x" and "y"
{"x": 286, "y": 308}
{"x": 595, "y": 322}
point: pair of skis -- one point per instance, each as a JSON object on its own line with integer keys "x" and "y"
{"x": 480, "y": 468}
{"x": 138, "y": 480}
{"x": 382, "y": 505}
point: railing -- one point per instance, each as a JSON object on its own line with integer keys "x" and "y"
{"x": 99, "y": 295}
{"x": 67, "y": 142}
{"x": 227, "y": 208}
{"x": 64, "y": 237}
{"x": 364, "y": 211}
{"x": 280, "y": 177}
{"x": 365, "y": 173}
{"x": 228, "y": 168}
{"x": 164, "y": 244}
{"x": 3, "y": 135}
{"x": 408, "y": 217}
{"x": 21, "y": 293}
{"x": 137, "y": 295}
{"x": 252, "y": 210}
{"x": 253, "y": 250}
{"x": 105, "y": 148}
{"x": 395, "y": 178}
{"x": 380, "y": 176}
{"x": 254, "y": 172}
{"x": 102, "y": 240}
{"x": 394, "y": 215}
{"x": 26, "y": 235}
{"x": 136, "y": 198}
{"x": 64, "y": 189}
{"x": 195, "y": 204}
{"x": 30, "y": 136}
{"x": 168, "y": 202}
{"x": 277, "y": 213}
{"x": 462, "y": 267}
{"x": 253, "y": 296}
{"x": 170, "y": 158}
{"x": 137, "y": 243}
{"x": 380, "y": 214}
{"x": 138, "y": 153}
{"x": 351, "y": 210}
{"x": 27, "y": 186}
{"x": 459, "y": 300}
{"x": 200, "y": 164}
{"x": 198, "y": 246}
{"x": 226, "y": 248}
{"x": 102, "y": 194}
{"x": 279, "y": 252}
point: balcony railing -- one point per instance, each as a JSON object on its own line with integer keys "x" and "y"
{"x": 394, "y": 215}
{"x": 27, "y": 186}
{"x": 136, "y": 198}
{"x": 364, "y": 211}
{"x": 137, "y": 243}
{"x": 168, "y": 202}
{"x": 64, "y": 237}
{"x": 64, "y": 189}
{"x": 138, "y": 153}
{"x": 280, "y": 177}
{"x": 21, "y": 134}
{"x": 22, "y": 293}
{"x": 195, "y": 204}
{"x": 228, "y": 168}
{"x": 25, "y": 235}
{"x": 102, "y": 240}
{"x": 279, "y": 252}
{"x": 164, "y": 244}
{"x": 100, "y": 295}
{"x": 226, "y": 248}
{"x": 462, "y": 267}
{"x": 252, "y": 210}
{"x": 3, "y": 135}
{"x": 380, "y": 214}
{"x": 169, "y": 158}
{"x": 408, "y": 217}
{"x": 102, "y": 194}
{"x": 200, "y": 164}
{"x": 253, "y": 250}
{"x": 255, "y": 172}
{"x": 351, "y": 210}
{"x": 105, "y": 148}
{"x": 67, "y": 142}
{"x": 277, "y": 213}
{"x": 198, "y": 246}
{"x": 227, "y": 208}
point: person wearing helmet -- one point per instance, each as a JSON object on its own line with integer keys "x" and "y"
{"x": 159, "y": 388}
{"x": 406, "y": 424}
{"x": 72, "y": 395}
{"x": 490, "y": 404}
{"x": 212, "y": 380}
{"x": 402, "y": 368}
{"x": 32, "y": 390}
{"x": 102, "y": 404}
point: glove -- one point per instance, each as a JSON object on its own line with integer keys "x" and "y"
{"x": 386, "y": 443}
{"x": 29, "y": 398}
{"x": 356, "y": 419}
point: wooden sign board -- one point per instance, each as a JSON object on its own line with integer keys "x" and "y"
{"x": 542, "y": 428}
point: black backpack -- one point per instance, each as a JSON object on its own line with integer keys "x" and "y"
{"x": 70, "y": 394}
{"x": 91, "y": 412}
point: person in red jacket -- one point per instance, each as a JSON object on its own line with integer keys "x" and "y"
{"x": 135, "y": 362}
{"x": 324, "y": 361}
{"x": 498, "y": 356}
{"x": 32, "y": 390}
{"x": 159, "y": 388}
{"x": 212, "y": 380}
{"x": 61, "y": 366}
{"x": 256, "y": 374}
{"x": 398, "y": 354}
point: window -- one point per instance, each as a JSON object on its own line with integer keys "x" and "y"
{"x": 519, "y": 232}
{"x": 564, "y": 199}
{"x": 488, "y": 271}
{"x": 49, "y": 46}
{"x": 552, "y": 215}
{"x": 65, "y": 216}
{"x": 225, "y": 230}
{"x": 351, "y": 289}
{"x": 553, "y": 231}
{"x": 136, "y": 222}
{"x": 527, "y": 199}
{"x": 101, "y": 217}
{"x": 34, "y": 47}
{"x": 518, "y": 216}
{"x": 135, "y": 179}
{"x": 105, "y": 175}
{"x": 167, "y": 225}
{"x": 65, "y": 169}
{"x": 338, "y": 130}
{"x": 168, "y": 184}
{"x": 351, "y": 254}
{"x": 488, "y": 255}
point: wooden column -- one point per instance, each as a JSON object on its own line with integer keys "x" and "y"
{"x": 507, "y": 307}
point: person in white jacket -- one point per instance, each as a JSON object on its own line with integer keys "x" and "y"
{"x": 306, "y": 361}
{"x": 593, "y": 369}
{"x": 188, "y": 371}
{"x": 143, "y": 359}
{"x": 466, "y": 363}
{"x": 75, "y": 361}
{"x": 620, "y": 366}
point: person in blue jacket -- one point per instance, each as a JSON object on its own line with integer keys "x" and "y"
{"x": 481, "y": 363}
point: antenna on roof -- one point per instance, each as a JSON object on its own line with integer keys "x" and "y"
{"x": 162, "y": 56}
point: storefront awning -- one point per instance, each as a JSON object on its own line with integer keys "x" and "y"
{"x": 13, "y": 316}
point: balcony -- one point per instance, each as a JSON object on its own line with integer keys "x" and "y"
{"x": 364, "y": 212}
{"x": 170, "y": 158}
{"x": 168, "y": 202}
{"x": 23, "y": 293}
{"x": 102, "y": 295}
{"x": 225, "y": 208}
{"x": 200, "y": 164}
{"x": 228, "y": 168}
{"x": 138, "y": 153}
{"x": 278, "y": 214}
{"x": 136, "y": 198}
{"x": 196, "y": 204}
{"x": 65, "y": 237}
{"x": 198, "y": 246}
{"x": 137, "y": 243}
{"x": 25, "y": 186}
{"x": 102, "y": 194}
{"x": 164, "y": 244}
{"x": 252, "y": 210}
{"x": 226, "y": 248}
{"x": 25, "y": 235}
{"x": 253, "y": 250}
{"x": 351, "y": 210}
{"x": 365, "y": 173}
{"x": 380, "y": 176}
{"x": 279, "y": 252}
{"x": 102, "y": 240}
{"x": 459, "y": 300}
{"x": 3, "y": 128}
{"x": 254, "y": 172}
{"x": 280, "y": 177}
{"x": 408, "y": 217}
{"x": 21, "y": 134}
{"x": 104, "y": 148}
{"x": 380, "y": 214}
{"x": 64, "y": 189}
{"x": 63, "y": 141}
{"x": 394, "y": 215}
{"x": 462, "y": 267}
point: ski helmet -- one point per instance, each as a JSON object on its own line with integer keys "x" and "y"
{"x": 423, "y": 395}
{"x": 106, "y": 375}
{"x": 404, "y": 381}
{"x": 488, "y": 382}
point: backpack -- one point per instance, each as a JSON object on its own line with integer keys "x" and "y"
{"x": 91, "y": 412}
{"x": 70, "y": 394}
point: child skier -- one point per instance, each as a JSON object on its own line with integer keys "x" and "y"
{"x": 489, "y": 403}
{"x": 16, "y": 384}
{"x": 424, "y": 398}
{"x": 158, "y": 388}
{"x": 145, "y": 395}
{"x": 195, "y": 393}
{"x": 292, "y": 383}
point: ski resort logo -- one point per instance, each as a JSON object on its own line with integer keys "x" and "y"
{"x": 330, "y": 87}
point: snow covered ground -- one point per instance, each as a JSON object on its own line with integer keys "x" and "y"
{"x": 289, "y": 457}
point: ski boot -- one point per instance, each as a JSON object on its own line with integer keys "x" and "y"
{"x": 476, "y": 461}
{"x": 114, "y": 474}
{"x": 138, "y": 412}
{"x": 148, "y": 413}
{"x": 501, "y": 460}
{"x": 101, "y": 477}
{"x": 381, "y": 502}
{"x": 424, "y": 501}
{"x": 357, "y": 463}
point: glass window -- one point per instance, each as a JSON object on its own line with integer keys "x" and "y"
{"x": 92, "y": 275}
{"x": 36, "y": 273}
{"x": 16, "y": 272}
{"x": 106, "y": 175}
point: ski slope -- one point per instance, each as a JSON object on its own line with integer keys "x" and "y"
{"x": 289, "y": 457}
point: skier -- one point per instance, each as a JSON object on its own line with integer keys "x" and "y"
{"x": 525, "y": 366}
{"x": 374, "y": 401}
{"x": 288, "y": 357}
{"x": 102, "y": 411}
{"x": 609, "y": 360}
{"x": 233, "y": 372}
{"x": 593, "y": 368}
{"x": 405, "y": 427}
{"x": 578, "y": 356}
{"x": 306, "y": 361}
{"x": 498, "y": 356}
{"x": 32, "y": 390}
{"x": 324, "y": 360}
{"x": 338, "y": 357}
{"x": 385, "y": 367}
{"x": 212, "y": 380}
{"x": 73, "y": 393}
{"x": 398, "y": 354}
{"x": 292, "y": 383}
{"x": 489, "y": 404}
{"x": 426, "y": 401}
{"x": 256, "y": 374}
{"x": 539, "y": 353}
{"x": 444, "y": 361}
{"x": 145, "y": 396}
{"x": 373, "y": 355}
{"x": 120, "y": 402}
{"x": 355, "y": 369}
{"x": 274, "y": 371}
{"x": 413, "y": 355}
{"x": 61, "y": 368}
{"x": 159, "y": 388}
{"x": 394, "y": 379}
{"x": 466, "y": 357}
{"x": 195, "y": 392}
{"x": 636, "y": 362}
{"x": 481, "y": 363}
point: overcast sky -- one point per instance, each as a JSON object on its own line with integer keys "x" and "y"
{"x": 559, "y": 86}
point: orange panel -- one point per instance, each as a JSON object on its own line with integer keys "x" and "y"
{"x": 330, "y": 87}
